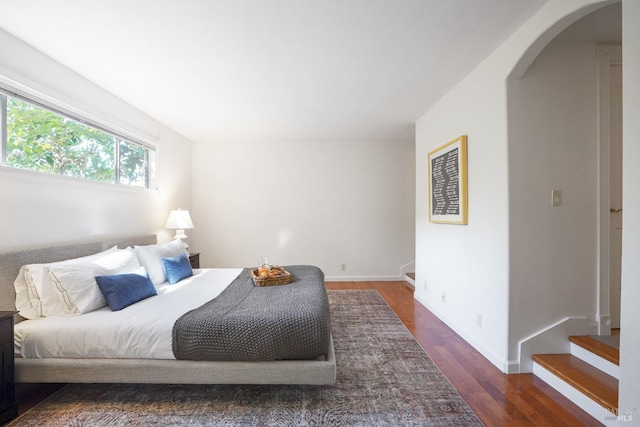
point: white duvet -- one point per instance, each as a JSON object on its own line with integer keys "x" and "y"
{"x": 141, "y": 331}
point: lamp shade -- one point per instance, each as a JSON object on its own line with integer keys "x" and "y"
{"x": 179, "y": 220}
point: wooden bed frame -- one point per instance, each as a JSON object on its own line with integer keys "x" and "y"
{"x": 152, "y": 371}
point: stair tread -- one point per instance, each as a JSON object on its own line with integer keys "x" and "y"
{"x": 591, "y": 381}
{"x": 597, "y": 347}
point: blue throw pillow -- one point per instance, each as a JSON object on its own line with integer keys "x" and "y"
{"x": 122, "y": 290}
{"x": 177, "y": 268}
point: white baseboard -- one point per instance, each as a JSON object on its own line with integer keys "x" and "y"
{"x": 554, "y": 339}
{"x": 499, "y": 363}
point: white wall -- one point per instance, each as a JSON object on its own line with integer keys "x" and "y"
{"x": 471, "y": 264}
{"x": 467, "y": 262}
{"x": 630, "y": 333}
{"x": 553, "y": 145}
{"x": 36, "y": 209}
{"x": 325, "y": 203}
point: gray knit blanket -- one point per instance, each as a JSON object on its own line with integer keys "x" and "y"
{"x": 249, "y": 323}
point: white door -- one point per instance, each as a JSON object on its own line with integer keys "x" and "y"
{"x": 610, "y": 213}
{"x": 615, "y": 191}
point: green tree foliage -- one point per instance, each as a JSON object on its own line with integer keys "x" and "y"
{"x": 133, "y": 162}
{"x": 41, "y": 140}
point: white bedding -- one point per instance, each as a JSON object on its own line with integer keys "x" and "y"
{"x": 140, "y": 331}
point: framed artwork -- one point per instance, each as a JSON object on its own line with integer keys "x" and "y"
{"x": 448, "y": 203}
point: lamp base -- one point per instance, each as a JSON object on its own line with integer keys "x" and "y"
{"x": 180, "y": 235}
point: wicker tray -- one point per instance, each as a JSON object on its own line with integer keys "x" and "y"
{"x": 282, "y": 279}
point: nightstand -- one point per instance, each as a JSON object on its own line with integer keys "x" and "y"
{"x": 194, "y": 259}
{"x": 8, "y": 404}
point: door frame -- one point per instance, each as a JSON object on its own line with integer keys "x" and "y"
{"x": 607, "y": 56}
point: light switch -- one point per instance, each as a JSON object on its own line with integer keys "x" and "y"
{"x": 555, "y": 198}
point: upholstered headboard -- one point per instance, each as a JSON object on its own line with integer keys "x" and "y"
{"x": 10, "y": 262}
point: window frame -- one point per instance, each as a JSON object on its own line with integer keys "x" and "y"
{"x": 150, "y": 148}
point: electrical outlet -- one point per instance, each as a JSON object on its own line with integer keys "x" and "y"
{"x": 556, "y": 199}
{"x": 479, "y": 319}
{"x": 444, "y": 297}
{"x": 343, "y": 267}
{"x": 425, "y": 286}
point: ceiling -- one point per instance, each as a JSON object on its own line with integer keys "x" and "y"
{"x": 272, "y": 69}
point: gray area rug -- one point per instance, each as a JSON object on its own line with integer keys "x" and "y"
{"x": 384, "y": 378}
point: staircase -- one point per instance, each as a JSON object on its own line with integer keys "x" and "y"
{"x": 410, "y": 278}
{"x": 588, "y": 376}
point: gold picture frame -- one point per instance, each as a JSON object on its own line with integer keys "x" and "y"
{"x": 448, "y": 198}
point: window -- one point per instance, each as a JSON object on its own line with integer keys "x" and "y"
{"x": 38, "y": 138}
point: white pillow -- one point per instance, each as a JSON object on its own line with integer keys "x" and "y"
{"x": 150, "y": 258}
{"x": 24, "y": 304}
{"x": 37, "y": 276}
{"x": 34, "y": 295}
{"x": 77, "y": 288}
{"x": 75, "y": 283}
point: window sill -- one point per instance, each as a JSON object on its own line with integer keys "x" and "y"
{"x": 67, "y": 181}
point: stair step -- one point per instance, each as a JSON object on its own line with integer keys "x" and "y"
{"x": 597, "y": 347}
{"x": 590, "y": 381}
{"x": 410, "y": 279}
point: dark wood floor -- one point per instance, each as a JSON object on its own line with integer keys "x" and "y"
{"x": 498, "y": 399}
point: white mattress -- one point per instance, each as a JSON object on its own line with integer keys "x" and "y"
{"x": 140, "y": 331}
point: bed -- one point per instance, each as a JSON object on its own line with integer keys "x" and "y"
{"x": 146, "y": 364}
